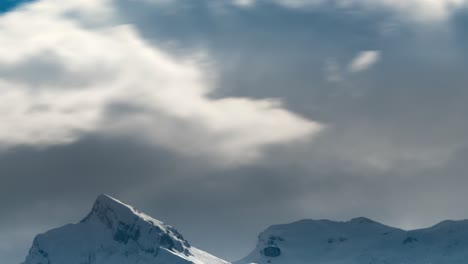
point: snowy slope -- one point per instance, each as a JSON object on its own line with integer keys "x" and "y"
{"x": 115, "y": 233}
{"x": 360, "y": 241}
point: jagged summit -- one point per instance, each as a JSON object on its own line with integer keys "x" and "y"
{"x": 123, "y": 218}
{"x": 109, "y": 201}
{"x": 108, "y": 209}
{"x": 106, "y": 202}
{"x": 116, "y": 233}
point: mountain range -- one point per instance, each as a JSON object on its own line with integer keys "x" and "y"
{"x": 116, "y": 233}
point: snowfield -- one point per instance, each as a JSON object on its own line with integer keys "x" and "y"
{"x": 360, "y": 241}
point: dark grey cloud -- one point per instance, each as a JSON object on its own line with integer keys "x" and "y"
{"x": 199, "y": 199}
{"x": 388, "y": 127}
{"x": 395, "y": 146}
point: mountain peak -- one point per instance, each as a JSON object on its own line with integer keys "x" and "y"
{"x": 105, "y": 203}
{"x": 114, "y": 232}
{"x": 127, "y": 223}
{"x": 107, "y": 199}
{"x": 109, "y": 210}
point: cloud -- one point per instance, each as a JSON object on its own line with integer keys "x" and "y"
{"x": 99, "y": 76}
{"x": 363, "y": 61}
{"x": 243, "y": 3}
{"x": 286, "y": 3}
{"x": 424, "y": 10}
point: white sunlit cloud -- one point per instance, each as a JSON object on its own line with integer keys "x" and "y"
{"x": 244, "y": 3}
{"x": 68, "y": 69}
{"x": 364, "y": 61}
{"x": 423, "y": 10}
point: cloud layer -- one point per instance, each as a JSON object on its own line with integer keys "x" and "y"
{"x": 69, "y": 69}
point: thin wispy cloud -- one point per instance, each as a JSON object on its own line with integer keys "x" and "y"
{"x": 364, "y": 61}
{"x": 421, "y": 10}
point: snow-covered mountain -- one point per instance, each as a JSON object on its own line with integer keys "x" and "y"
{"x": 360, "y": 241}
{"x": 115, "y": 233}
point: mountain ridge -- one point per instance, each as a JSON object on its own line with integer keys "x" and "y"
{"x": 116, "y": 233}
{"x": 363, "y": 218}
{"x": 360, "y": 240}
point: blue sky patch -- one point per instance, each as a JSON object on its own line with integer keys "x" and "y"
{"x": 7, "y": 5}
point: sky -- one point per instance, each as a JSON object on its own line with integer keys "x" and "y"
{"x": 223, "y": 117}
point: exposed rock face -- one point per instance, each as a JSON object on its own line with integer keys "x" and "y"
{"x": 272, "y": 252}
{"x": 115, "y": 233}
